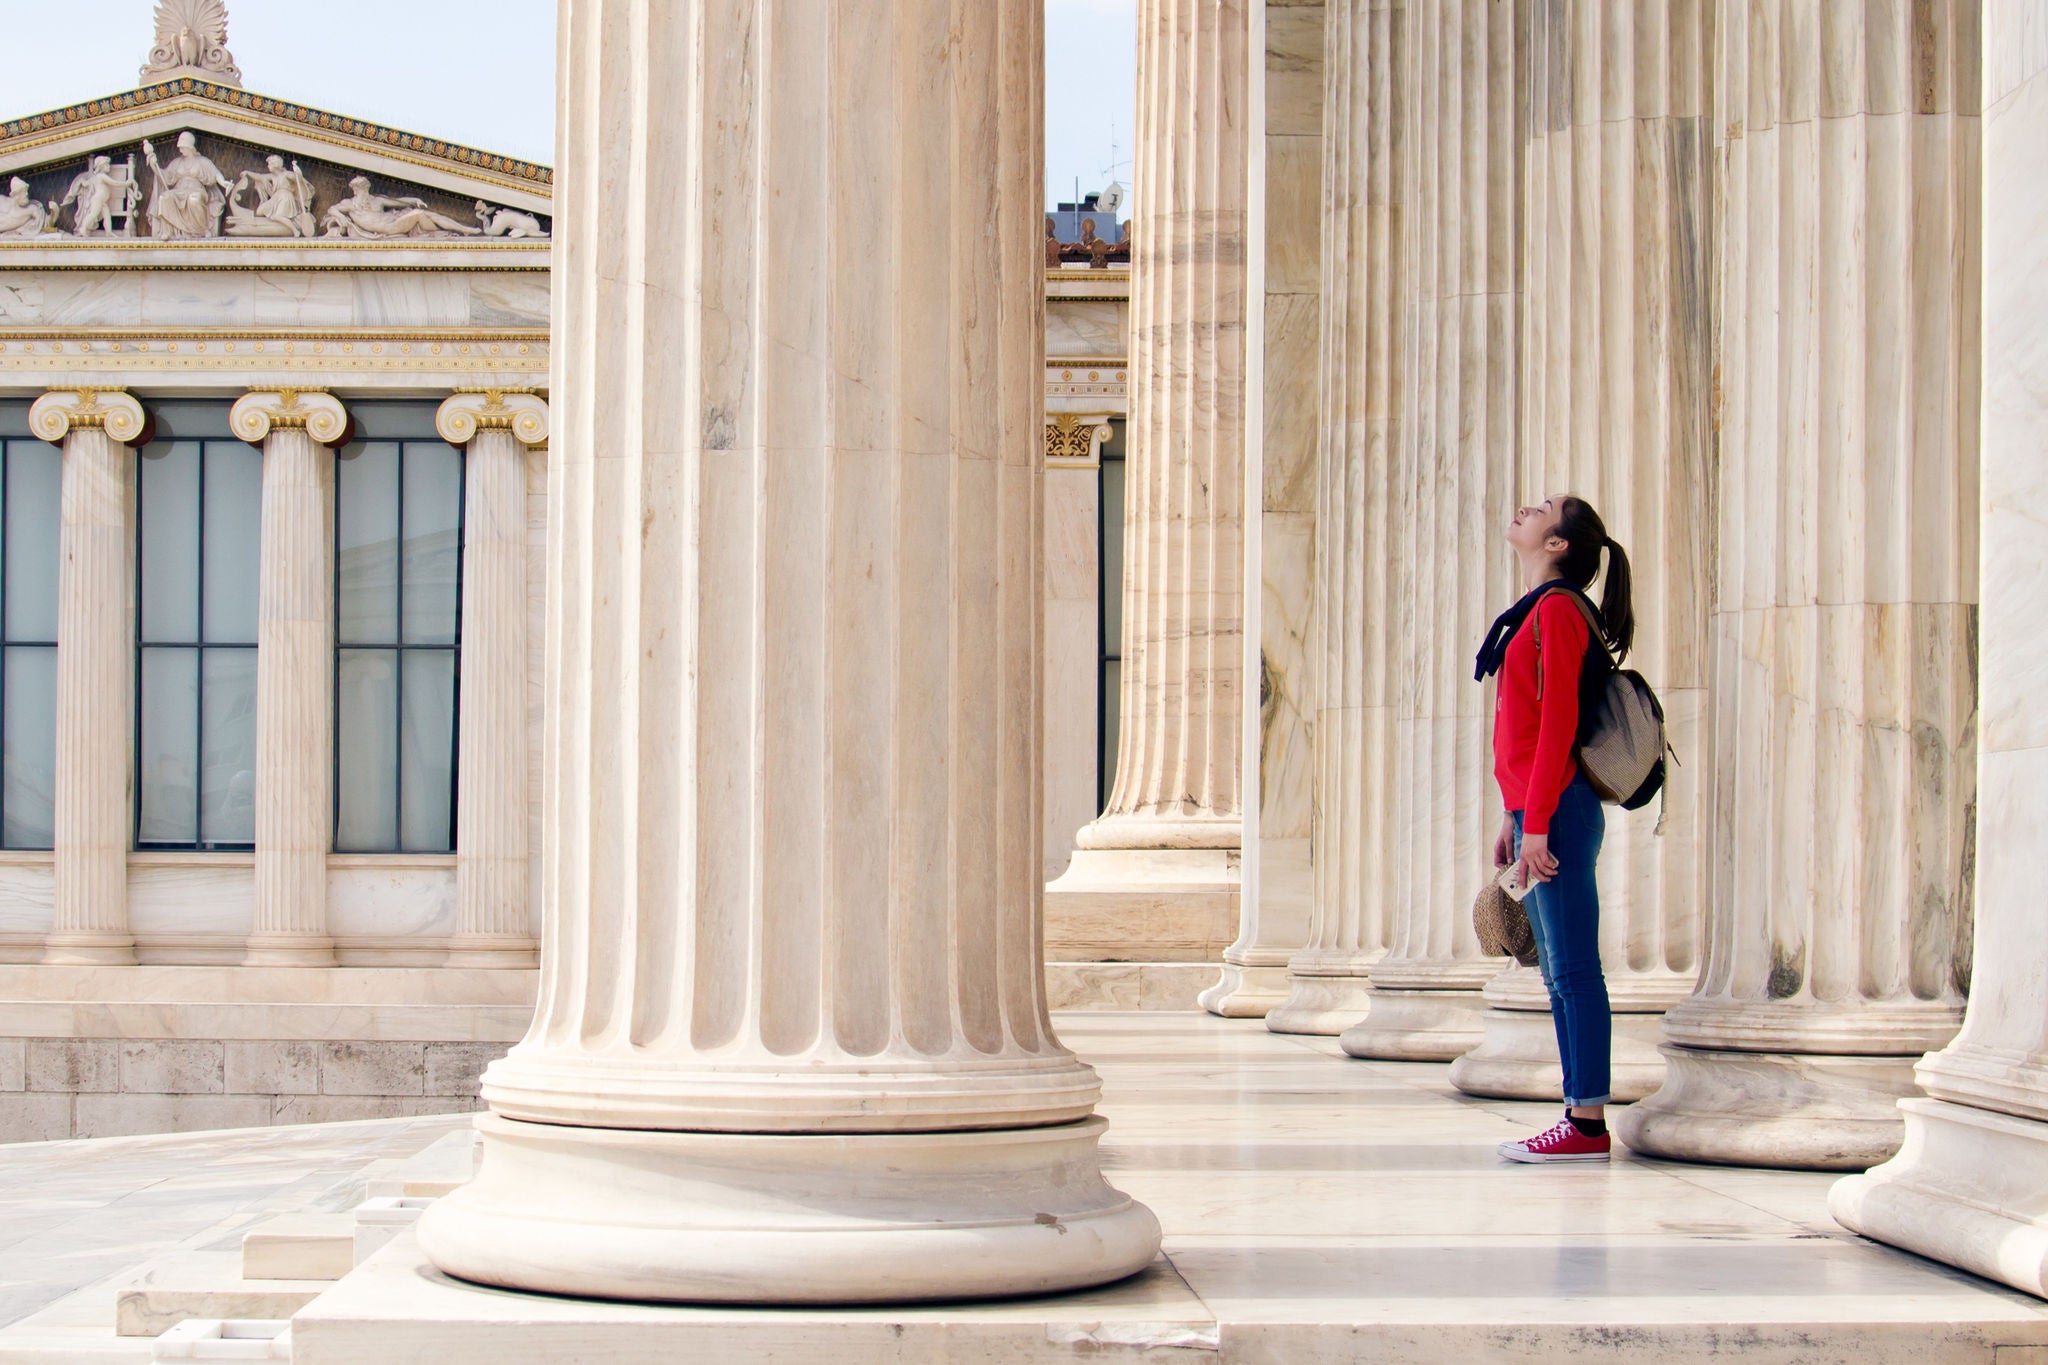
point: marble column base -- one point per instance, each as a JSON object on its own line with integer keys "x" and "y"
{"x": 1249, "y": 990}
{"x": 1516, "y": 1058}
{"x": 788, "y": 1219}
{"x": 88, "y": 950}
{"x": 510, "y": 951}
{"x": 1143, "y": 905}
{"x": 1417, "y": 1026}
{"x": 1969, "y": 1187}
{"x": 1329, "y": 992}
{"x": 1802, "y": 1110}
{"x": 288, "y": 950}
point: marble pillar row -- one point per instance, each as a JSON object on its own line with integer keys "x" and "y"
{"x": 1970, "y": 1185}
{"x": 1615, "y": 410}
{"x": 1155, "y": 877}
{"x": 1843, "y": 690}
{"x": 294, "y": 672}
{"x": 95, "y": 663}
{"x": 791, "y": 1042}
{"x": 492, "y": 869}
{"x": 1363, "y": 396}
{"x": 1453, "y": 493}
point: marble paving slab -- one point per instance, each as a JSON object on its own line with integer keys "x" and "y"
{"x": 1317, "y": 1209}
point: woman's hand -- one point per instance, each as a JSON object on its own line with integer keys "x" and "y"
{"x": 1504, "y": 846}
{"x": 1536, "y": 863}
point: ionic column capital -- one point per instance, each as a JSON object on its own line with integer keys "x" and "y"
{"x": 523, "y": 412}
{"x": 261, "y": 411}
{"x": 1074, "y": 438}
{"x": 60, "y": 412}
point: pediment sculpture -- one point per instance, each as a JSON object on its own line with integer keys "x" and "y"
{"x": 233, "y": 189}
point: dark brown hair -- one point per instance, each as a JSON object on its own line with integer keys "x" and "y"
{"x": 1585, "y": 536}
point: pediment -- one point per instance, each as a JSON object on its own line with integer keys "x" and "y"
{"x": 335, "y": 179}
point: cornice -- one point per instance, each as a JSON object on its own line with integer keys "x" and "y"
{"x": 132, "y": 106}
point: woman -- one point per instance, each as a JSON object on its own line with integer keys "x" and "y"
{"x": 1542, "y": 650}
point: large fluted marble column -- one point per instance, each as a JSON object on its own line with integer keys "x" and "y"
{"x": 294, "y": 672}
{"x": 1843, "y": 635}
{"x": 95, "y": 663}
{"x": 1970, "y": 1185}
{"x": 1363, "y": 398}
{"x": 791, "y": 1043}
{"x": 1158, "y": 872}
{"x": 1454, "y": 488}
{"x": 1615, "y": 400}
{"x": 492, "y": 869}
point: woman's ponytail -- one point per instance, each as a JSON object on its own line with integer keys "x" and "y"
{"x": 1585, "y": 536}
{"x": 1617, "y": 609}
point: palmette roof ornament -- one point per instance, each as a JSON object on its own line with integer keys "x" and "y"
{"x": 191, "y": 40}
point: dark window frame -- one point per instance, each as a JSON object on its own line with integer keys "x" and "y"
{"x": 199, "y": 646}
{"x": 1109, "y": 581}
{"x": 8, "y": 644}
{"x": 399, "y": 648}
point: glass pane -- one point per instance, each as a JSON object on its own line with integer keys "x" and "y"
{"x": 234, "y": 521}
{"x": 14, "y": 417}
{"x": 167, "y": 761}
{"x": 170, "y": 540}
{"x": 1111, "y": 713}
{"x": 29, "y": 727}
{"x": 427, "y": 755}
{"x": 382, "y": 419}
{"x": 34, "y": 474}
{"x": 366, "y": 540}
{"x": 366, "y": 751}
{"x": 227, "y": 784}
{"x": 433, "y": 542}
{"x": 190, "y": 419}
{"x": 1113, "y": 556}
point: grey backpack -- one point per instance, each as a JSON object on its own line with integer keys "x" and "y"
{"x": 1621, "y": 745}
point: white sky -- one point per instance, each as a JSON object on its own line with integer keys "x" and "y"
{"x": 481, "y": 72}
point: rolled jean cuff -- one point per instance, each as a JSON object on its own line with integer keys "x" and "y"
{"x": 1593, "y": 1103}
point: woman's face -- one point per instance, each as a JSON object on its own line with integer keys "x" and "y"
{"x": 1533, "y": 529}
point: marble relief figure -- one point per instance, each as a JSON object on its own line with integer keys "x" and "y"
{"x": 376, "y": 218}
{"x": 21, "y": 216}
{"x": 508, "y": 222}
{"x": 189, "y": 195}
{"x": 284, "y": 202}
{"x": 101, "y": 193}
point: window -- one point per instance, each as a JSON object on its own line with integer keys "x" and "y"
{"x": 30, "y": 476}
{"x": 199, "y": 499}
{"x": 1110, "y": 559}
{"x": 398, "y": 596}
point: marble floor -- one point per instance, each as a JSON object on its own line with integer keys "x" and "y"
{"x": 1317, "y": 1209}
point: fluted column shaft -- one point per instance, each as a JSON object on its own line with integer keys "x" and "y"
{"x": 1843, "y": 634}
{"x": 95, "y": 662}
{"x": 1970, "y": 1184}
{"x": 1364, "y": 399}
{"x": 294, "y": 673}
{"x": 492, "y": 867}
{"x": 1454, "y": 484}
{"x": 1615, "y": 410}
{"x": 791, "y": 1036}
{"x": 1156, "y": 875}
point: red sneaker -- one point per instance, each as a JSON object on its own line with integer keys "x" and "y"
{"x": 1562, "y": 1143}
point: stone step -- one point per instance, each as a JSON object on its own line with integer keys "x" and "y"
{"x": 300, "y": 1246}
{"x": 203, "y": 1284}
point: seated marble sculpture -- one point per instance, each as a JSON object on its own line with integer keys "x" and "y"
{"x": 21, "y": 216}
{"x": 508, "y": 222}
{"x": 189, "y": 195}
{"x": 101, "y": 193}
{"x": 284, "y": 202}
{"x": 375, "y": 218}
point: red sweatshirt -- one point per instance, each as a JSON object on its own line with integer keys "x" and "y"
{"x": 1533, "y": 740}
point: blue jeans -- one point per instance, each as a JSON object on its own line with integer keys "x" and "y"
{"x": 1564, "y": 914}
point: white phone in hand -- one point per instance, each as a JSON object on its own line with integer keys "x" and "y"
{"x": 1511, "y": 884}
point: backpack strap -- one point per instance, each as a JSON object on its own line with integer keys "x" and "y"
{"x": 1595, "y": 633}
